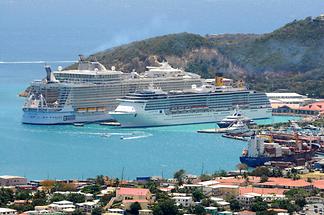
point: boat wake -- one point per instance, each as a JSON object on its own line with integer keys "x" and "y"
{"x": 135, "y": 137}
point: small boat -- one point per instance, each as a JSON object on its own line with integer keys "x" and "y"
{"x": 238, "y": 127}
{"x": 78, "y": 124}
{"x": 231, "y": 119}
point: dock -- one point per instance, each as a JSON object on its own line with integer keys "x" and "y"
{"x": 213, "y": 130}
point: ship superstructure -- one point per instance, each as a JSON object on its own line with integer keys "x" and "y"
{"x": 262, "y": 149}
{"x": 88, "y": 93}
{"x": 208, "y": 103}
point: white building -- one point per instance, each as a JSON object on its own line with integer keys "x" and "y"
{"x": 61, "y": 206}
{"x": 7, "y": 211}
{"x": 292, "y": 100}
{"x": 313, "y": 209}
{"x": 116, "y": 211}
{"x": 87, "y": 207}
{"x": 9, "y": 180}
{"x": 185, "y": 201}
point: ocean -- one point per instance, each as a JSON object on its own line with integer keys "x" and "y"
{"x": 36, "y": 30}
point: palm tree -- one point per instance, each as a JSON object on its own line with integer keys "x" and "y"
{"x": 241, "y": 166}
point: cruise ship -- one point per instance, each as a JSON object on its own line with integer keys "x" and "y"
{"x": 88, "y": 93}
{"x": 205, "y": 104}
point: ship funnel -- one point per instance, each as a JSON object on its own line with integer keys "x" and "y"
{"x": 48, "y": 72}
{"x": 219, "y": 79}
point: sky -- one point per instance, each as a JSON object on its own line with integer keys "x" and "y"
{"x": 87, "y": 26}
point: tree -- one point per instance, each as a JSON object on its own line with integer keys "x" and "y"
{"x": 39, "y": 198}
{"x": 179, "y": 175}
{"x": 93, "y": 189}
{"x": 262, "y": 170}
{"x": 75, "y": 197}
{"x": 197, "y": 195}
{"x": 199, "y": 210}
{"x": 134, "y": 208}
{"x": 96, "y": 211}
{"x": 56, "y": 197}
{"x": 235, "y": 205}
{"x": 259, "y": 205}
{"x": 22, "y": 194}
{"x": 6, "y": 196}
{"x": 100, "y": 180}
{"x": 165, "y": 207}
{"x": 263, "y": 178}
{"x": 48, "y": 185}
{"x": 241, "y": 166}
{"x": 77, "y": 212}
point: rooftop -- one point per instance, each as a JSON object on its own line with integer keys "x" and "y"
{"x": 4, "y": 210}
{"x": 132, "y": 191}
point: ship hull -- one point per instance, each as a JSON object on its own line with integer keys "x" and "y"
{"x": 157, "y": 118}
{"x": 63, "y": 117}
{"x": 260, "y": 161}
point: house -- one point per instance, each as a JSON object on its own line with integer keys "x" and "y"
{"x": 184, "y": 201}
{"x": 222, "y": 190}
{"x": 145, "y": 212}
{"x": 285, "y": 183}
{"x": 87, "y": 207}
{"x": 211, "y": 210}
{"x": 8, "y": 180}
{"x": 124, "y": 193}
{"x": 62, "y": 206}
{"x": 246, "y": 212}
{"x": 116, "y": 211}
{"x": 246, "y": 200}
{"x": 7, "y": 211}
{"x": 312, "y": 209}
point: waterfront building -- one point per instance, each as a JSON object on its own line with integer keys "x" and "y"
{"x": 8, "y": 180}
{"x": 292, "y": 100}
{"x": 7, "y": 211}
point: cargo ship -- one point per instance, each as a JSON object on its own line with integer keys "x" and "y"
{"x": 262, "y": 149}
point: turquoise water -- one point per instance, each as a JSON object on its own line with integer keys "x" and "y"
{"x": 45, "y": 30}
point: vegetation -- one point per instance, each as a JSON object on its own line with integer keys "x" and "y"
{"x": 6, "y": 196}
{"x": 165, "y": 207}
{"x": 287, "y": 58}
{"x": 134, "y": 208}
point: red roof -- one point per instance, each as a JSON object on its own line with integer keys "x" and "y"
{"x": 246, "y": 212}
{"x": 319, "y": 184}
{"x": 237, "y": 180}
{"x": 319, "y": 106}
{"x": 285, "y": 182}
{"x": 132, "y": 191}
{"x": 262, "y": 191}
{"x": 135, "y": 200}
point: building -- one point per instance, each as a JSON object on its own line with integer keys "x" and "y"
{"x": 124, "y": 193}
{"x": 62, "y": 206}
{"x": 116, "y": 211}
{"x": 222, "y": 190}
{"x": 8, "y": 180}
{"x": 87, "y": 207}
{"x": 211, "y": 210}
{"x": 184, "y": 201}
{"x": 312, "y": 209}
{"x": 246, "y": 200}
{"x": 7, "y": 211}
{"x": 292, "y": 100}
{"x": 145, "y": 212}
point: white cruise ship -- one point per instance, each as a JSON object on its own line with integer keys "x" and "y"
{"x": 208, "y": 103}
{"x": 88, "y": 93}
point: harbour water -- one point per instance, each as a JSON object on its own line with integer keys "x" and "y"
{"x": 79, "y": 152}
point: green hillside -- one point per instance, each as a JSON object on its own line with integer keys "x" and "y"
{"x": 291, "y": 57}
